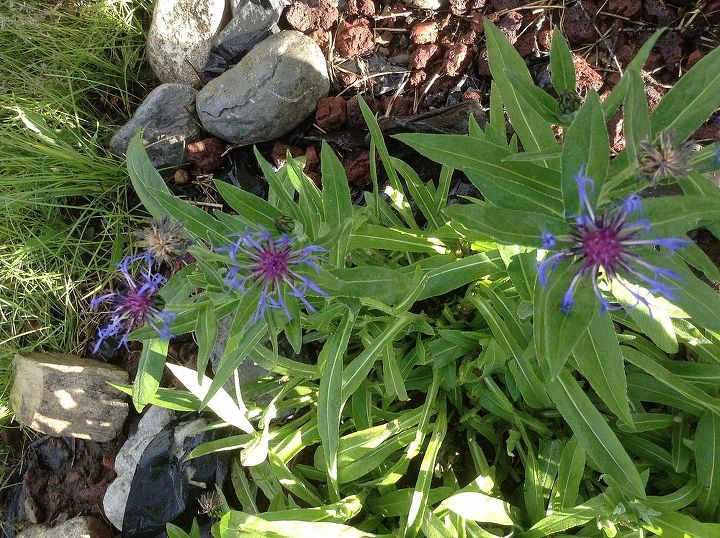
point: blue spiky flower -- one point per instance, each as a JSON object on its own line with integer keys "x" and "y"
{"x": 271, "y": 263}
{"x": 609, "y": 245}
{"x": 134, "y": 304}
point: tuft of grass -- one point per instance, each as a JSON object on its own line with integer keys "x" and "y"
{"x": 68, "y": 75}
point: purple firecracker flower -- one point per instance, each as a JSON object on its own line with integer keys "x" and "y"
{"x": 610, "y": 243}
{"x": 259, "y": 260}
{"x": 135, "y": 304}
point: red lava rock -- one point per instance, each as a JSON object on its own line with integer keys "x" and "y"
{"x": 483, "y": 64}
{"x": 670, "y": 46}
{"x": 355, "y": 118}
{"x": 472, "y": 95}
{"x": 279, "y": 152}
{"x": 625, "y": 8}
{"x": 318, "y": 16}
{"x": 424, "y": 55}
{"x": 205, "y": 156}
{"x": 354, "y": 38}
{"x": 401, "y": 106}
{"x": 654, "y": 94}
{"x": 347, "y": 78}
{"x": 657, "y": 11}
{"x": 578, "y": 23}
{"x": 424, "y": 32}
{"x": 695, "y": 57}
{"x": 312, "y": 164}
{"x": 654, "y": 61}
{"x": 587, "y": 78}
{"x": 625, "y": 52}
{"x": 510, "y": 25}
{"x": 545, "y": 39}
{"x": 360, "y": 7}
{"x": 321, "y": 37}
{"x": 300, "y": 16}
{"x": 417, "y": 77}
{"x": 525, "y": 44}
{"x": 357, "y": 169}
{"x": 471, "y": 37}
{"x": 331, "y": 113}
{"x": 457, "y": 59}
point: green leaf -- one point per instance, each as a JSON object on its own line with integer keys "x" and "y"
{"x": 363, "y": 282}
{"x": 594, "y": 434}
{"x": 358, "y": 369}
{"x": 555, "y": 333}
{"x": 335, "y": 191}
{"x": 241, "y": 525}
{"x": 150, "y": 371}
{"x": 505, "y": 225}
{"x": 645, "y": 388}
{"x": 509, "y": 184}
{"x": 707, "y": 463}
{"x": 535, "y": 98}
{"x": 232, "y": 359}
{"x": 422, "y": 486}
{"x": 205, "y": 334}
{"x": 278, "y": 192}
{"x": 394, "y": 383}
{"x": 691, "y": 100}
{"x": 421, "y": 194}
{"x": 144, "y": 177}
{"x": 674, "y": 215}
{"x": 568, "y": 518}
{"x": 636, "y": 118}
{"x": 586, "y": 149}
{"x": 676, "y": 384}
{"x": 570, "y": 474}
{"x": 534, "y": 132}
{"x": 457, "y": 273}
{"x": 600, "y": 360}
{"x": 251, "y": 209}
{"x": 329, "y": 395}
{"x": 562, "y": 68}
{"x": 381, "y": 237}
{"x": 676, "y": 525}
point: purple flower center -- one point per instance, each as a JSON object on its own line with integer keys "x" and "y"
{"x": 601, "y": 247}
{"x": 608, "y": 245}
{"x": 273, "y": 264}
{"x": 138, "y": 305}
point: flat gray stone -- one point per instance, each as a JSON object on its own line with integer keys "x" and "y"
{"x": 64, "y": 395}
{"x": 238, "y": 6}
{"x": 271, "y": 91}
{"x": 167, "y": 117}
{"x": 77, "y": 527}
{"x": 180, "y": 38}
{"x": 250, "y": 23}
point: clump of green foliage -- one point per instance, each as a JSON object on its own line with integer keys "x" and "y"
{"x": 536, "y": 362}
{"x": 67, "y": 74}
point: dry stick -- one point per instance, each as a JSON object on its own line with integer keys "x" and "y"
{"x": 435, "y": 76}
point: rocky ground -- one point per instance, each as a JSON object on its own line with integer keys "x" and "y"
{"x": 285, "y": 77}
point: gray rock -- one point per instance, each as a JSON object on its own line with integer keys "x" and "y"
{"x": 167, "y": 117}
{"x": 77, "y": 527}
{"x": 250, "y": 22}
{"x": 116, "y": 496}
{"x": 271, "y": 91}
{"x": 180, "y": 38}
{"x": 238, "y": 6}
{"x": 64, "y": 395}
{"x": 426, "y": 4}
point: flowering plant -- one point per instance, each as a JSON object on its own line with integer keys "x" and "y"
{"x": 535, "y": 359}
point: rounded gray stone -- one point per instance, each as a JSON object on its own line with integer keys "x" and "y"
{"x": 272, "y": 90}
{"x": 180, "y": 38}
{"x": 167, "y": 117}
